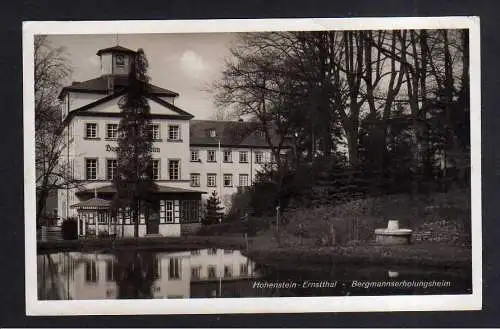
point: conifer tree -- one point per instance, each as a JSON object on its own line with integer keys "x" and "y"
{"x": 214, "y": 209}
{"x": 133, "y": 180}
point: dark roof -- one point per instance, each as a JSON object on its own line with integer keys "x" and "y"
{"x": 93, "y": 203}
{"x": 100, "y": 86}
{"x": 110, "y": 189}
{"x": 115, "y": 49}
{"x": 230, "y": 133}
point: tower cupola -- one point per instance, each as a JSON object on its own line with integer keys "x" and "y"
{"x": 115, "y": 60}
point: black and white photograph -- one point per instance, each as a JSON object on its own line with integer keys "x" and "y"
{"x": 252, "y": 166}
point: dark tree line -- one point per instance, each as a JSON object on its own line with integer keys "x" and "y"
{"x": 393, "y": 105}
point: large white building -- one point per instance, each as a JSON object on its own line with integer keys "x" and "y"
{"x": 191, "y": 157}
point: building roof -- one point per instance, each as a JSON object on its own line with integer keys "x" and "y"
{"x": 229, "y": 133}
{"x": 100, "y": 85}
{"x": 110, "y": 189}
{"x": 115, "y": 49}
{"x": 94, "y": 203}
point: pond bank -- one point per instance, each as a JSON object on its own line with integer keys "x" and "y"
{"x": 267, "y": 251}
{"x": 144, "y": 243}
{"x": 428, "y": 255}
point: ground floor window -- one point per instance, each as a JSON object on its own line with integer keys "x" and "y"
{"x": 91, "y": 273}
{"x": 195, "y": 272}
{"x": 111, "y": 270}
{"x": 190, "y": 211}
{"x": 167, "y": 211}
{"x": 212, "y": 271}
{"x": 243, "y": 269}
{"x": 174, "y": 269}
{"x": 228, "y": 271}
{"x": 156, "y": 268}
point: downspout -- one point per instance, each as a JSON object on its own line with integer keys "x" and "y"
{"x": 67, "y": 159}
{"x": 251, "y": 166}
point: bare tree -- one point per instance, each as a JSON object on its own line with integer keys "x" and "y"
{"x": 52, "y": 172}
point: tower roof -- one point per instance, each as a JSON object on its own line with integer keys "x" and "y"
{"x": 115, "y": 49}
{"x": 100, "y": 85}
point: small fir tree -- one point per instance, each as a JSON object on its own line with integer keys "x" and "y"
{"x": 214, "y": 210}
{"x": 133, "y": 180}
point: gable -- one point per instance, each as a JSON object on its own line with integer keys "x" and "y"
{"x": 111, "y": 106}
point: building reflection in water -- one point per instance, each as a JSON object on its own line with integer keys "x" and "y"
{"x": 132, "y": 274}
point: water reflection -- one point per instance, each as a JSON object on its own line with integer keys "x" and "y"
{"x": 207, "y": 273}
{"x": 133, "y": 274}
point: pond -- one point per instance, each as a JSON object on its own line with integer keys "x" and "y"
{"x": 209, "y": 273}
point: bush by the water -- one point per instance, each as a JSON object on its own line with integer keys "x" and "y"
{"x": 69, "y": 229}
{"x": 443, "y": 217}
{"x": 250, "y": 226}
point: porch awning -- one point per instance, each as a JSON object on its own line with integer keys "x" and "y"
{"x": 160, "y": 189}
{"x": 92, "y": 204}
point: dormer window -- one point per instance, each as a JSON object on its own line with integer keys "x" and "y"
{"x": 212, "y": 133}
{"x": 120, "y": 60}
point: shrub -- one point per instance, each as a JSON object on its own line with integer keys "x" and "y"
{"x": 69, "y": 229}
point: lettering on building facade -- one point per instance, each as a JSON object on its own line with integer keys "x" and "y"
{"x": 110, "y": 148}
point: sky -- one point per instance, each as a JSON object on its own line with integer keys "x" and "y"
{"x": 185, "y": 63}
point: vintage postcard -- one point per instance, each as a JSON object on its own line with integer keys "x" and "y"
{"x": 252, "y": 166}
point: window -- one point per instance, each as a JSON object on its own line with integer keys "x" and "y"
{"x": 228, "y": 271}
{"x": 91, "y": 130}
{"x": 243, "y": 180}
{"x": 174, "y": 269}
{"x": 156, "y": 169}
{"x": 228, "y": 156}
{"x": 120, "y": 60}
{"x": 189, "y": 211}
{"x": 212, "y": 133}
{"x": 243, "y": 269}
{"x": 195, "y": 156}
{"x": 111, "y": 168}
{"x": 212, "y": 271}
{"x": 243, "y": 156}
{"x": 174, "y": 133}
{"x": 195, "y": 180}
{"x": 258, "y": 157}
{"x": 91, "y": 274}
{"x": 156, "y": 268}
{"x": 155, "y": 132}
{"x": 228, "y": 180}
{"x": 169, "y": 212}
{"x": 211, "y": 156}
{"x": 173, "y": 170}
{"x": 112, "y": 131}
{"x": 111, "y": 270}
{"x": 102, "y": 218}
{"x": 91, "y": 169}
{"x": 195, "y": 252}
{"x": 196, "y": 272}
{"x": 212, "y": 251}
{"x": 211, "y": 180}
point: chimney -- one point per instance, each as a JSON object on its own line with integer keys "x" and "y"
{"x": 111, "y": 84}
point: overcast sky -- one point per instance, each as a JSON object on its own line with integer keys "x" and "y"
{"x": 185, "y": 63}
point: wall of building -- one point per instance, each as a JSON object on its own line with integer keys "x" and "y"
{"x": 77, "y": 100}
{"x": 203, "y": 167}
